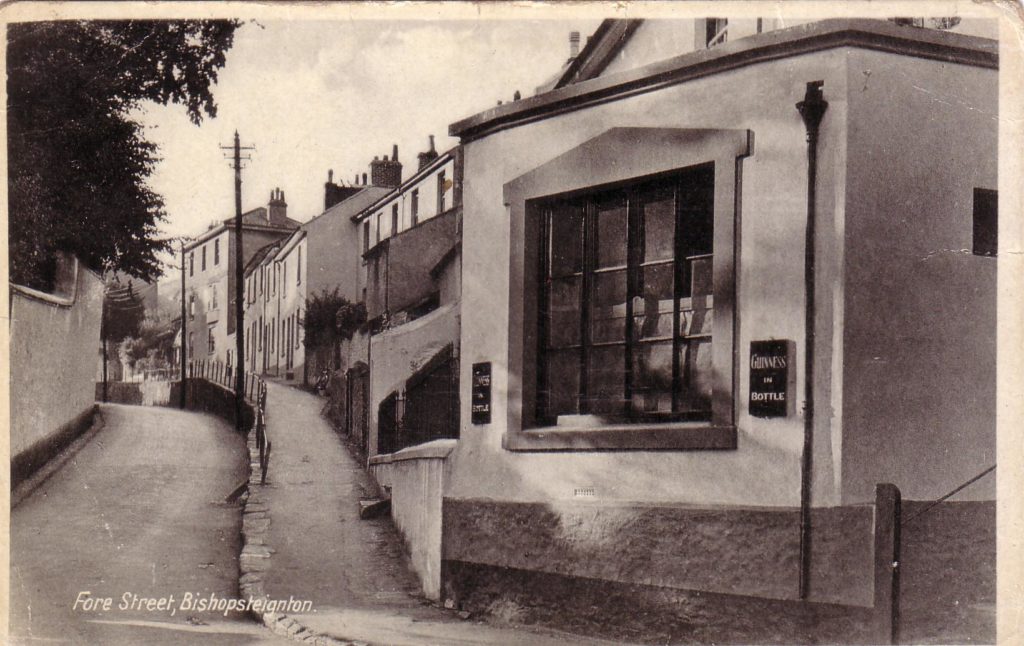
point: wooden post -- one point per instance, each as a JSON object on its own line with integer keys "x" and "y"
{"x": 887, "y": 563}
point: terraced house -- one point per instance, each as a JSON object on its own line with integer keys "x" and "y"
{"x": 210, "y": 276}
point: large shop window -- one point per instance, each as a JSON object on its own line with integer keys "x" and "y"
{"x": 622, "y": 293}
{"x": 625, "y": 303}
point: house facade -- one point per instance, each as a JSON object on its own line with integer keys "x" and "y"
{"x": 210, "y": 277}
{"x": 708, "y": 305}
{"x": 411, "y": 240}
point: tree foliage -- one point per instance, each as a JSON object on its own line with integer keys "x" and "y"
{"x": 78, "y": 162}
{"x": 123, "y": 313}
{"x": 154, "y": 342}
{"x": 330, "y": 318}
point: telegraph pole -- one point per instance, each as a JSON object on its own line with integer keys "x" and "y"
{"x": 237, "y": 149}
{"x": 184, "y": 326}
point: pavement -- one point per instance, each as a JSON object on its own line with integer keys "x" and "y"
{"x": 353, "y": 571}
{"x": 138, "y": 510}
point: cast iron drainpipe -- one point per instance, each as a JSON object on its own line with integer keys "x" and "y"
{"x": 812, "y": 109}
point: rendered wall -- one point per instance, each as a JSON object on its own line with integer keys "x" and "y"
{"x": 764, "y": 469}
{"x": 415, "y": 477}
{"x": 919, "y": 334}
{"x": 409, "y": 257}
{"x": 53, "y": 360}
{"x": 397, "y": 353}
{"x": 335, "y": 247}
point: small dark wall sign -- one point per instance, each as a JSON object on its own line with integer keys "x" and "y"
{"x": 481, "y": 393}
{"x": 771, "y": 379}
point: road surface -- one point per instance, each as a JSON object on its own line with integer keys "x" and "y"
{"x": 138, "y": 513}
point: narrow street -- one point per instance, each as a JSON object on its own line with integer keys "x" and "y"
{"x": 138, "y": 511}
{"x": 353, "y": 571}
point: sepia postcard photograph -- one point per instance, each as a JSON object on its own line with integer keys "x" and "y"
{"x": 539, "y": 324}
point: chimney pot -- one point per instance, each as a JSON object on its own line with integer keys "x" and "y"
{"x": 574, "y": 44}
{"x": 517, "y": 96}
{"x": 364, "y": 179}
{"x": 394, "y": 152}
{"x": 330, "y": 175}
{"x": 432, "y": 143}
{"x": 385, "y": 157}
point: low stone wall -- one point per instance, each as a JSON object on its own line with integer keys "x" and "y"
{"x": 120, "y": 392}
{"x": 415, "y": 478}
{"x": 208, "y": 397}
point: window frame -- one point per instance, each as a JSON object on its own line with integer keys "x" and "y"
{"x": 414, "y": 207}
{"x": 616, "y": 158}
{"x": 216, "y": 252}
{"x": 632, "y": 199}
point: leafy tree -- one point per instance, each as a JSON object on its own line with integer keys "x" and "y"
{"x": 154, "y": 342}
{"x": 123, "y": 313}
{"x": 330, "y": 318}
{"x": 78, "y": 162}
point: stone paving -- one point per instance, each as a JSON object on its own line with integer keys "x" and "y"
{"x": 303, "y": 539}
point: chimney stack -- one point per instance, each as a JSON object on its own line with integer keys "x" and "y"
{"x": 277, "y": 211}
{"x": 574, "y": 44}
{"x": 425, "y": 158}
{"x": 333, "y": 193}
{"x": 387, "y": 172}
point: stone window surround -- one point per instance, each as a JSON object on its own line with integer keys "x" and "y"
{"x": 638, "y": 153}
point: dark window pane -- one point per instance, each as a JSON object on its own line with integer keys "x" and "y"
{"x": 563, "y": 382}
{"x": 700, "y": 276}
{"x": 652, "y": 308}
{"x": 986, "y": 222}
{"x": 611, "y": 234}
{"x": 566, "y": 240}
{"x": 659, "y": 213}
{"x": 606, "y": 381}
{"x": 695, "y": 369}
{"x": 564, "y": 309}
{"x": 652, "y": 377}
{"x": 608, "y": 307}
{"x": 697, "y": 196}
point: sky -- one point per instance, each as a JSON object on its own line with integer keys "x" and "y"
{"x": 313, "y": 96}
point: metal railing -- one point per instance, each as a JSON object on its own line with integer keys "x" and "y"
{"x": 934, "y": 503}
{"x": 255, "y": 392}
{"x": 263, "y": 442}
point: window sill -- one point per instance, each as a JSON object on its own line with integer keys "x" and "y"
{"x": 680, "y": 436}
